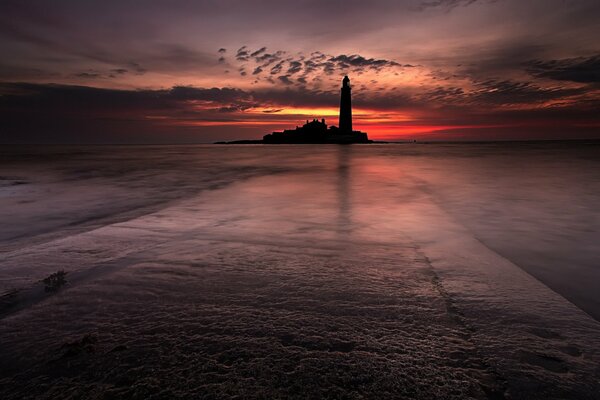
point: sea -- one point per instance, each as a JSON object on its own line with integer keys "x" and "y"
{"x": 282, "y": 271}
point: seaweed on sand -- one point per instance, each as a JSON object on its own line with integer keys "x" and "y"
{"x": 53, "y": 282}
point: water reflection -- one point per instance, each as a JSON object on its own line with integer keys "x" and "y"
{"x": 344, "y": 221}
{"x": 536, "y": 205}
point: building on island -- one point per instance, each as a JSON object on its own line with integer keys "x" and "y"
{"x": 316, "y": 131}
{"x": 346, "y": 106}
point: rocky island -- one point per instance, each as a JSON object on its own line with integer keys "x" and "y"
{"x": 317, "y": 131}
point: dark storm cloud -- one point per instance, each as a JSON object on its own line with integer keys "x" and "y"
{"x": 579, "y": 69}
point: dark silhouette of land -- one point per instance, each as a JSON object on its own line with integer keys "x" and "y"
{"x": 316, "y": 131}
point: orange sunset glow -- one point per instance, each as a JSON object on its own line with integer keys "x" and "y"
{"x": 435, "y": 70}
{"x": 300, "y": 199}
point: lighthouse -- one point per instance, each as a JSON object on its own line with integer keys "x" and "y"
{"x": 316, "y": 131}
{"x": 346, "y": 107}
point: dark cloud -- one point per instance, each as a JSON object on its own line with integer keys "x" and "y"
{"x": 242, "y": 54}
{"x": 446, "y": 4}
{"x": 258, "y": 52}
{"x": 137, "y": 68}
{"x": 88, "y": 75}
{"x": 295, "y": 66}
{"x": 111, "y": 73}
{"x": 328, "y": 67}
{"x": 293, "y": 96}
{"x": 443, "y": 95}
{"x": 62, "y": 112}
{"x": 266, "y": 59}
{"x": 276, "y": 68}
{"x": 285, "y": 79}
{"x": 221, "y": 95}
{"x": 511, "y": 92}
{"x": 315, "y": 63}
{"x": 580, "y": 69}
{"x": 355, "y": 60}
{"x": 461, "y": 64}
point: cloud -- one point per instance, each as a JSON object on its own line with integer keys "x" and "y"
{"x": 446, "y": 4}
{"x": 242, "y": 54}
{"x": 266, "y": 59}
{"x": 579, "y": 69}
{"x": 285, "y": 79}
{"x": 88, "y": 75}
{"x": 258, "y": 52}
{"x": 511, "y": 92}
{"x": 295, "y": 66}
{"x": 317, "y": 63}
{"x": 277, "y": 68}
{"x": 72, "y": 113}
{"x": 344, "y": 61}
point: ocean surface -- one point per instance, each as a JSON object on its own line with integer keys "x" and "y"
{"x": 410, "y": 270}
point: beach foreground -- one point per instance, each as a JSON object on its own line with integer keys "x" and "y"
{"x": 307, "y": 272}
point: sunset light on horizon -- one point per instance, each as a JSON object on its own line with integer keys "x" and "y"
{"x": 191, "y": 72}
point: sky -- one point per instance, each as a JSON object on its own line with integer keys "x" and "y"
{"x": 133, "y": 71}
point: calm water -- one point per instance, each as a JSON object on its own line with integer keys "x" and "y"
{"x": 534, "y": 204}
{"x": 373, "y": 271}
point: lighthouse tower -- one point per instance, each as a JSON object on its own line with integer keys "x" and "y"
{"x": 346, "y": 107}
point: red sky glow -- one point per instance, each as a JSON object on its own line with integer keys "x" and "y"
{"x": 180, "y": 72}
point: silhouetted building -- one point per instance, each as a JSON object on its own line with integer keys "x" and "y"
{"x": 316, "y": 131}
{"x": 346, "y": 106}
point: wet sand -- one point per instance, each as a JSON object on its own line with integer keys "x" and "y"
{"x": 324, "y": 276}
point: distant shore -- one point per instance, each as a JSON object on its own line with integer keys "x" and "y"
{"x": 414, "y": 141}
{"x": 260, "y": 141}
